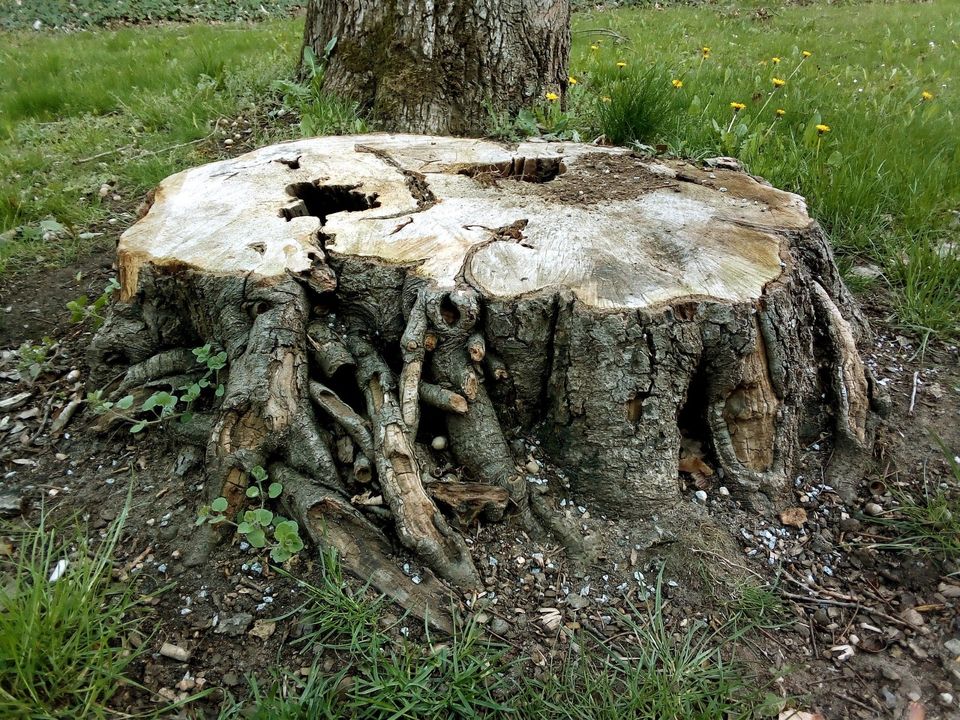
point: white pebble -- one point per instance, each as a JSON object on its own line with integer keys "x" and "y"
{"x": 723, "y": 491}
{"x": 439, "y": 443}
{"x": 700, "y": 495}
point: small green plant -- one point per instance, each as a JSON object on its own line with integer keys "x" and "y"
{"x": 320, "y": 113}
{"x": 162, "y": 405}
{"x": 34, "y": 359}
{"x": 339, "y": 618}
{"x": 259, "y": 523}
{"x": 758, "y": 605}
{"x": 929, "y": 525}
{"x": 82, "y": 309}
{"x": 63, "y": 624}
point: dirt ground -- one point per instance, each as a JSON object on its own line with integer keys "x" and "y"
{"x": 866, "y": 632}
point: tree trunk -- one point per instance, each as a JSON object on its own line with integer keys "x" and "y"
{"x": 398, "y": 312}
{"x": 441, "y": 67}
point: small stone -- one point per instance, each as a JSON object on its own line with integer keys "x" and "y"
{"x": 724, "y": 492}
{"x": 230, "y": 679}
{"x": 849, "y": 525}
{"x": 532, "y": 467}
{"x": 872, "y": 509}
{"x": 234, "y": 625}
{"x": 890, "y": 674}
{"x": 228, "y": 142}
{"x": 263, "y": 629}
{"x": 867, "y": 272}
{"x": 946, "y": 699}
{"x": 72, "y": 376}
{"x": 953, "y": 647}
{"x": 912, "y": 616}
{"x": 104, "y": 190}
{"x": 701, "y": 496}
{"x": 439, "y": 443}
{"x": 499, "y": 626}
{"x": 949, "y": 591}
{"x": 174, "y": 652}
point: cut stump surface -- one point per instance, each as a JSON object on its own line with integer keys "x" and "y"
{"x": 397, "y": 310}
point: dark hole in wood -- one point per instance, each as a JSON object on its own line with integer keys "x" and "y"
{"x": 535, "y": 170}
{"x": 449, "y": 311}
{"x": 346, "y": 388}
{"x": 634, "y": 409}
{"x": 323, "y": 200}
{"x": 692, "y": 417}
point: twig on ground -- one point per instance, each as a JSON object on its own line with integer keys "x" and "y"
{"x": 149, "y": 153}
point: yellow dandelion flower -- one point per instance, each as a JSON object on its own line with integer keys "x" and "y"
{"x": 594, "y": 47}
{"x": 571, "y": 80}
{"x": 775, "y": 60}
{"x": 779, "y": 82}
{"x": 605, "y": 98}
{"x": 781, "y": 112}
{"x": 806, "y": 53}
{"x": 705, "y": 51}
{"x": 926, "y": 96}
{"x": 552, "y": 96}
{"x": 677, "y": 84}
{"x": 737, "y": 106}
{"x": 621, "y": 64}
{"x": 821, "y": 129}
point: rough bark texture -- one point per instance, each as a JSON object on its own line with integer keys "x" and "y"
{"x": 422, "y": 66}
{"x": 398, "y": 310}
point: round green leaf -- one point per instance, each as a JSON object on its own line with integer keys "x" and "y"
{"x": 253, "y": 491}
{"x": 257, "y": 538}
{"x": 219, "y": 505}
{"x": 274, "y": 490}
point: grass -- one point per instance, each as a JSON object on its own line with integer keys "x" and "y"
{"x": 929, "y": 524}
{"x": 74, "y": 14}
{"x": 62, "y": 642}
{"x": 662, "y": 672}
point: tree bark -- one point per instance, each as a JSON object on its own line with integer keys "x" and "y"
{"x": 399, "y": 311}
{"x": 444, "y": 67}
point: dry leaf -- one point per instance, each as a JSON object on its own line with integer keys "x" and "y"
{"x": 794, "y": 517}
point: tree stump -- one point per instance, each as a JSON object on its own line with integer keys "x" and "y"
{"x": 397, "y": 309}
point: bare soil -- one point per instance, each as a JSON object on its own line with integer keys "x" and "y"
{"x": 864, "y": 630}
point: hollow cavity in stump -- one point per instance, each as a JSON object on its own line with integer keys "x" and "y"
{"x": 396, "y": 310}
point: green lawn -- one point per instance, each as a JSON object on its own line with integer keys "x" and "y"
{"x": 882, "y": 180}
